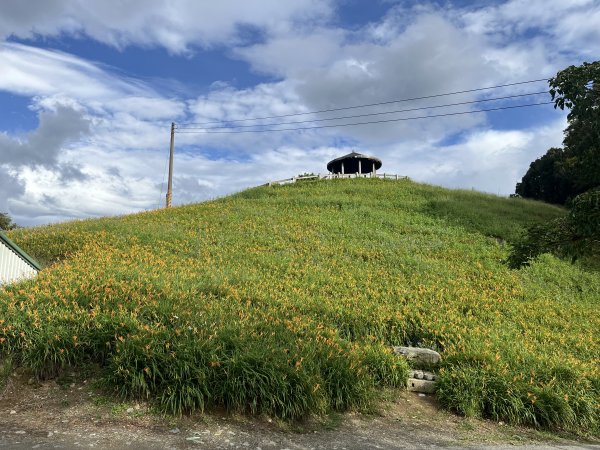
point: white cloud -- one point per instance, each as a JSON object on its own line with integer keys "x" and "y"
{"x": 32, "y": 71}
{"x": 568, "y": 27}
{"x": 42, "y": 146}
{"x": 177, "y": 25}
{"x": 59, "y": 78}
{"x": 488, "y": 160}
{"x": 431, "y": 55}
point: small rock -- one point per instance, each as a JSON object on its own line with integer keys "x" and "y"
{"x": 130, "y": 410}
{"x": 174, "y": 430}
{"x": 422, "y": 395}
{"x": 13, "y": 411}
{"x": 20, "y": 432}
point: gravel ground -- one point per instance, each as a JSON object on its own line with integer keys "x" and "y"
{"x": 71, "y": 414}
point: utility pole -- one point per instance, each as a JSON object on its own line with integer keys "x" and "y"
{"x": 171, "y": 149}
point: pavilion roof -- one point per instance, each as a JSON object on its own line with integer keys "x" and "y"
{"x": 355, "y": 155}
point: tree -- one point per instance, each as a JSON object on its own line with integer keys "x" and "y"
{"x": 575, "y": 236}
{"x": 578, "y": 88}
{"x": 562, "y": 174}
{"x": 568, "y": 175}
{"x": 548, "y": 178}
{"x": 6, "y": 222}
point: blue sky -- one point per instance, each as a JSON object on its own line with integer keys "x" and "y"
{"x": 88, "y": 90}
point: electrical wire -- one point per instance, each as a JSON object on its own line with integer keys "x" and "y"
{"x": 361, "y": 115}
{"x": 208, "y": 131}
{"x": 379, "y": 103}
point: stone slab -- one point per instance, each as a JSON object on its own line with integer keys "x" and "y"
{"x": 425, "y": 355}
{"x": 424, "y": 386}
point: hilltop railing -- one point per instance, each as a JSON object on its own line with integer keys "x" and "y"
{"x": 333, "y": 176}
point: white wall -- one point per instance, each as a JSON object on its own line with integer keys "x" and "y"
{"x": 12, "y": 266}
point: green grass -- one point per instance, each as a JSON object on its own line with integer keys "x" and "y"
{"x": 285, "y": 300}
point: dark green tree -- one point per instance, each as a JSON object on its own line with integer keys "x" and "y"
{"x": 6, "y": 222}
{"x": 548, "y": 178}
{"x": 578, "y": 89}
{"x": 575, "y": 236}
{"x": 562, "y": 174}
{"x": 570, "y": 173}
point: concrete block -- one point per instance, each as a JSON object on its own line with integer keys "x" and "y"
{"x": 422, "y": 375}
{"x": 425, "y": 386}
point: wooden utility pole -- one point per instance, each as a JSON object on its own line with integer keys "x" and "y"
{"x": 171, "y": 149}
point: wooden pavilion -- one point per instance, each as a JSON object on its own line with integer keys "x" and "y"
{"x": 354, "y": 163}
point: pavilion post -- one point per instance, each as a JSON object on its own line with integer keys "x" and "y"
{"x": 359, "y": 167}
{"x": 342, "y": 168}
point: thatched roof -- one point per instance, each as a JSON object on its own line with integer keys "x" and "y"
{"x": 350, "y": 161}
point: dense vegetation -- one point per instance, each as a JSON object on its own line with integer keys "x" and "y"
{"x": 575, "y": 237}
{"x": 285, "y": 300}
{"x": 6, "y": 222}
{"x": 568, "y": 175}
{"x": 564, "y": 173}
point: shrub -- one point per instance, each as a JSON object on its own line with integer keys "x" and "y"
{"x": 573, "y": 237}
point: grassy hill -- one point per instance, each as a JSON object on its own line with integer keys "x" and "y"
{"x": 285, "y": 300}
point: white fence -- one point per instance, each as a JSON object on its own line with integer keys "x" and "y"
{"x": 332, "y": 176}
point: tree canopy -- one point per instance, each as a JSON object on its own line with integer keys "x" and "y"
{"x": 568, "y": 175}
{"x": 562, "y": 174}
{"x": 6, "y": 222}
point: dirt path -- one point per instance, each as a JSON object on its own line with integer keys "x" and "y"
{"x": 71, "y": 414}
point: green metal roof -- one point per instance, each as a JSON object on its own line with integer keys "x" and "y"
{"x": 19, "y": 251}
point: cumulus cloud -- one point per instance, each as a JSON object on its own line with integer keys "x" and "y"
{"x": 568, "y": 28}
{"x": 42, "y": 146}
{"x": 177, "y": 25}
{"x": 10, "y": 186}
{"x": 83, "y": 108}
{"x": 486, "y": 159}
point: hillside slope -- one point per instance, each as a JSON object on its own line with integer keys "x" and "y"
{"x": 284, "y": 300}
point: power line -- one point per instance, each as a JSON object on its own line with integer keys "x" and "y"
{"x": 363, "y": 115}
{"x": 208, "y": 131}
{"x": 377, "y": 104}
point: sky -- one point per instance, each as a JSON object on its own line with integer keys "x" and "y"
{"x": 88, "y": 91}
